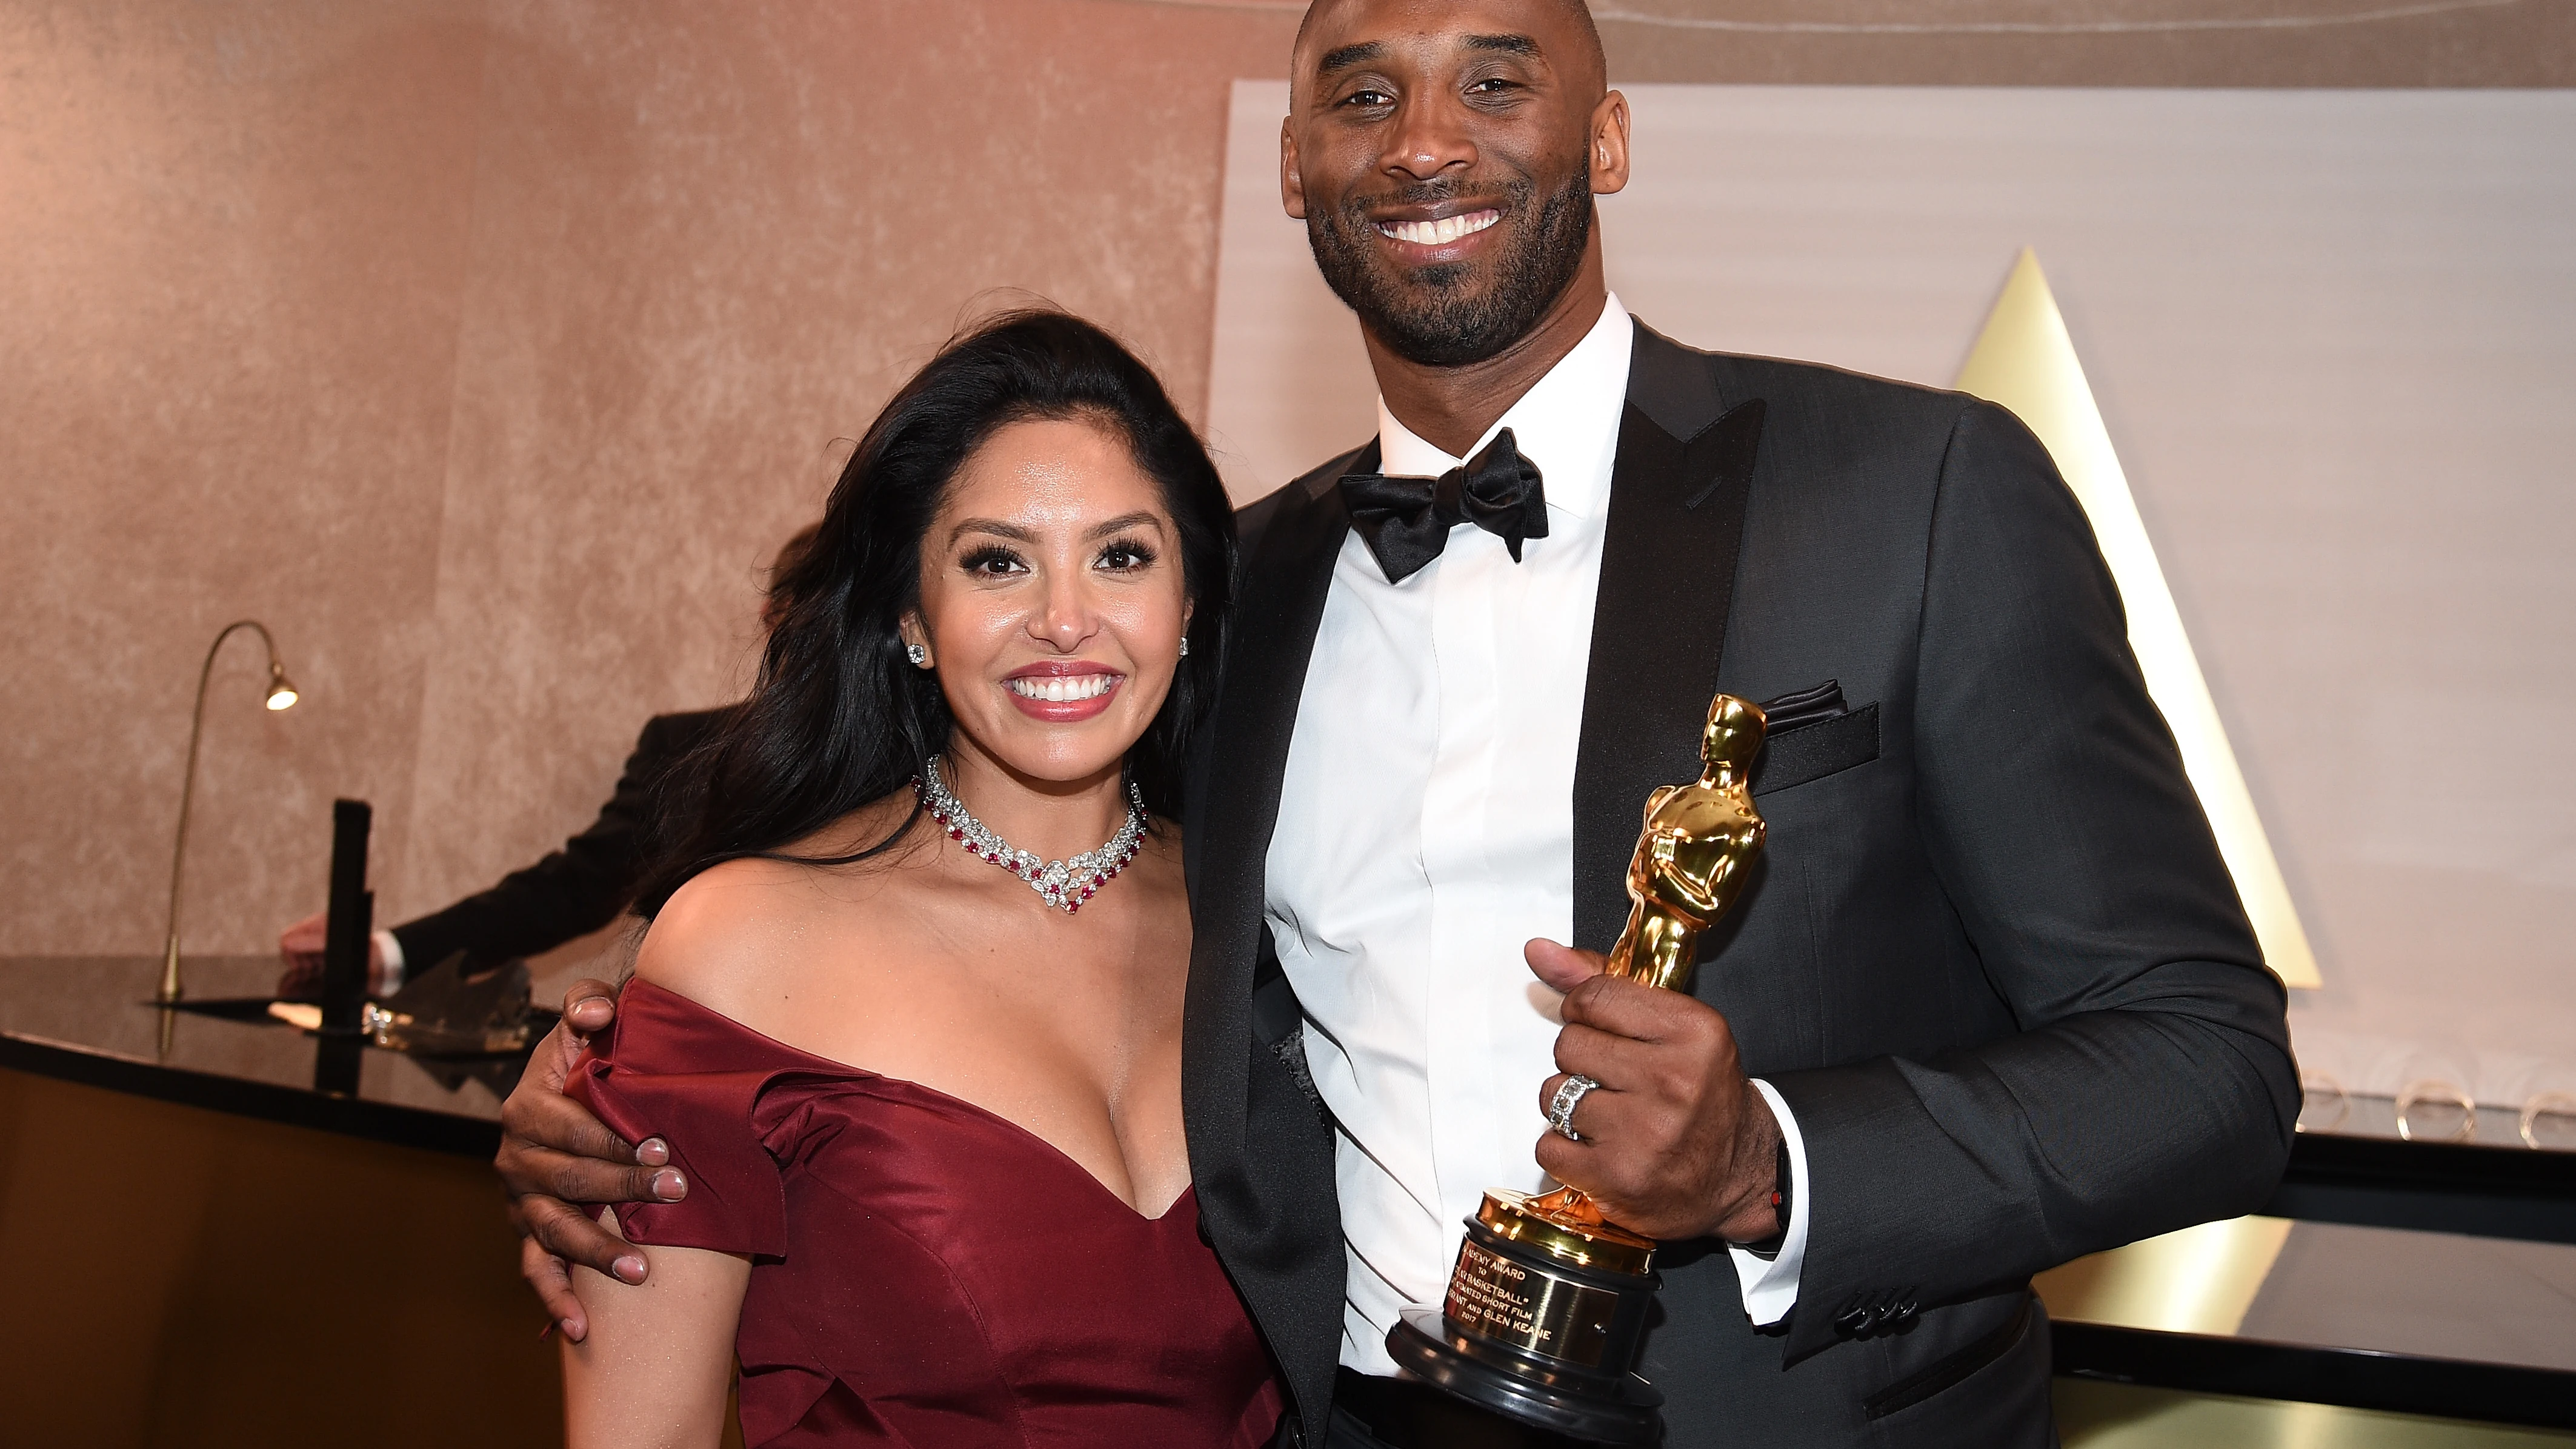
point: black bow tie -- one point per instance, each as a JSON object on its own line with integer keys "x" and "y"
{"x": 1406, "y": 521}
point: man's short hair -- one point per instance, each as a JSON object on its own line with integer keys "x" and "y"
{"x": 1582, "y": 15}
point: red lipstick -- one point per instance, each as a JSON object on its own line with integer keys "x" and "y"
{"x": 1063, "y": 691}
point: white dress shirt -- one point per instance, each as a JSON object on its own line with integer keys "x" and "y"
{"x": 1426, "y": 832}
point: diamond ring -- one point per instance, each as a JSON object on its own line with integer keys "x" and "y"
{"x": 1560, "y": 1108}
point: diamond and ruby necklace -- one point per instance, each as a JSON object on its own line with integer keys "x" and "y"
{"x": 1063, "y": 884}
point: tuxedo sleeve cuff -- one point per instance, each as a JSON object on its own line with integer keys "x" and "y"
{"x": 1770, "y": 1280}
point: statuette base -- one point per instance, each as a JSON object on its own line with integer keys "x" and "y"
{"x": 1517, "y": 1386}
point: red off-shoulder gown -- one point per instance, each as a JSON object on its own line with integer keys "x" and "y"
{"x": 923, "y": 1272}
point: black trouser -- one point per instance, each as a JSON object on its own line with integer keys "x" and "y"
{"x": 1381, "y": 1413}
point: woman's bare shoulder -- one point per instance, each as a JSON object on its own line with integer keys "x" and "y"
{"x": 734, "y": 934}
{"x": 722, "y": 931}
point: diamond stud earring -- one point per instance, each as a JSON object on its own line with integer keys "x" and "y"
{"x": 918, "y": 655}
{"x": 1185, "y": 646}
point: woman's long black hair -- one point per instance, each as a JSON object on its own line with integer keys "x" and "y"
{"x": 840, "y": 718}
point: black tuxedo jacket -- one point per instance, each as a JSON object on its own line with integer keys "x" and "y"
{"x": 575, "y": 890}
{"x": 1990, "y": 957}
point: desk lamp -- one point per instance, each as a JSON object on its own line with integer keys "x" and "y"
{"x": 279, "y": 695}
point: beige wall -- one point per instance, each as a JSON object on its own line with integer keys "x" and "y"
{"x": 485, "y": 349}
{"x": 485, "y": 352}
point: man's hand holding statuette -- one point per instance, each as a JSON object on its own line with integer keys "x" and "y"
{"x": 1676, "y": 1143}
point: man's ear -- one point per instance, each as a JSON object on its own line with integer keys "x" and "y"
{"x": 1609, "y": 158}
{"x": 1292, "y": 185}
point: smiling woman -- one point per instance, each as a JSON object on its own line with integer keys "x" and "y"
{"x": 1046, "y": 581}
{"x": 1031, "y": 496}
{"x": 924, "y": 1117}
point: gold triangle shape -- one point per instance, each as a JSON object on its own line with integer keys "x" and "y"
{"x": 2198, "y": 1280}
{"x": 2025, "y": 361}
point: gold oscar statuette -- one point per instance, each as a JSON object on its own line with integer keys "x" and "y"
{"x": 1548, "y": 1303}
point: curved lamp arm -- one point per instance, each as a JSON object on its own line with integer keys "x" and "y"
{"x": 279, "y": 695}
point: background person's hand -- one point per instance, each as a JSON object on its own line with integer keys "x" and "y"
{"x": 1676, "y": 1141}
{"x": 554, "y": 1153}
{"x": 299, "y": 949}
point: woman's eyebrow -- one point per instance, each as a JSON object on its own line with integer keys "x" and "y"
{"x": 1011, "y": 531}
{"x": 1141, "y": 518}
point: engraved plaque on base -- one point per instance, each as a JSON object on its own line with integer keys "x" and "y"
{"x": 1544, "y": 1317}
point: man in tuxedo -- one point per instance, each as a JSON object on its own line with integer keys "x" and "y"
{"x": 1989, "y": 1001}
{"x": 570, "y": 893}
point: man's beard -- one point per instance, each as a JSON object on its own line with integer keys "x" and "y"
{"x": 1449, "y": 327}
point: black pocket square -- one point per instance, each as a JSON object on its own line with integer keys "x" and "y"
{"x": 1813, "y": 733}
{"x": 1804, "y": 706}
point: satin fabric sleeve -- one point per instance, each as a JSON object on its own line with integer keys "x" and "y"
{"x": 664, "y": 1072}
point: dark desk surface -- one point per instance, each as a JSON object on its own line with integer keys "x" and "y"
{"x": 89, "y": 1019}
{"x": 2416, "y": 1277}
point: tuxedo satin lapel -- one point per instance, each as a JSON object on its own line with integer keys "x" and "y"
{"x": 1278, "y": 607}
{"x": 1668, "y": 555}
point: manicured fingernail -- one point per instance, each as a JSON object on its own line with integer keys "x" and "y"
{"x": 652, "y": 1152}
{"x": 669, "y": 1185}
{"x": 630, "y": 1268}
